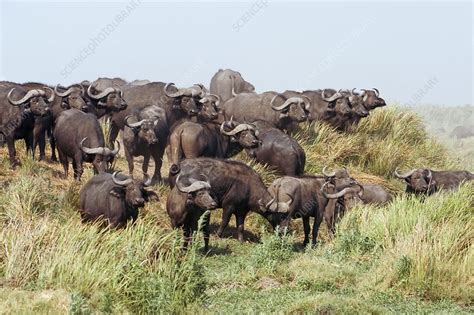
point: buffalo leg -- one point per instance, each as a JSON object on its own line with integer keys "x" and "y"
{"x": 113, "y": 133}
{"x": 77, "y": 166}
{"x": 307, "y": 229}
{"x": 146, "y": 163}
{"x": 240, "y": 220}
{"x": 205, "y": 231}
{"x": 158, "y": 159}
{"x": 64, "y": 161}
{"x": 12, "y": 152}
{"x": 317, "y": 222}
{"x": 226, "y": 215}
{"x": 39, "y": 139}
{"x": 29, "y": 143}
{"x": 129, "y": 161}
{"x": 52, "y": 143}
{"x": 329, "y": 217}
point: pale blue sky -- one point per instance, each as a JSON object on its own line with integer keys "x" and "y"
{"x": 413, "y": 52}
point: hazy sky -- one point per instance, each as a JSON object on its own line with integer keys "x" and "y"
{"x": 414, "y": 52}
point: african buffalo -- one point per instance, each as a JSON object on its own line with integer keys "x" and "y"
{"x": 79, "y": 137}
{"x": 236, "y": 188}
{"x": 146, "y": 137}
{"x": 227, "y": 83}
{"x": 278, "y": 150}
{"x": 426, "y": 181}
{"x": 19, "y": 109}
{"x": 308, "y": 196}
{"x": 113, "y": 199}
{"x": 187, "y": 203}
{"x": 276, "y": 109}
{"x": 192, "y": 140}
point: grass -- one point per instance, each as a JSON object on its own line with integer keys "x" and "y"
{"x": 411, "y": 256}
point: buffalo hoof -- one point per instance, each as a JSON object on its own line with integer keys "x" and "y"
{"x": 42, "y": 158}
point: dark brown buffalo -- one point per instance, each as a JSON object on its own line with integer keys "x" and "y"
{"x": 19, "y": 109}
{"x": 79, "y": 137}
{"x": 227, "y": 83}
{"x": 276, "y": 109}
{"x": 113, "y": 199}
{"x": 192, "y": 140}
{"x": 426, "y": 181}
{"x": 185, "y": 205}
{"x": 145, "y": 135}
{"x": 278, "y": 150}
{"x": 461, "y": 132}
{"x": 309, "y": 196}
{"x": 236, "y": 188}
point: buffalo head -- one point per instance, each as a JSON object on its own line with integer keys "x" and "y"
{"x": 73, "y": 97}
{"x": 144, "y": 129}
{"x": 198, "y": 193}
{"x": 111, "y": 98}
{"x": 209, "y": 107}
{"x": 372, "y": 99}
{"x": 340, "y": 179}
{"x": 293, "y": 108}
{"x": 36, "y": 100}
{"x": 357, "y": 104}
{"x": 337, "y": 103}
{"x": 186, "y": 99}
{"x": 418, "y": 180}
{"x": 100, "y": 157}
{"x": 132, "y": 191}
{"x": 246, "y": 135}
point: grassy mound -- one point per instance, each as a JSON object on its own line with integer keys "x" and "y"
{"x": 412, "y": 256}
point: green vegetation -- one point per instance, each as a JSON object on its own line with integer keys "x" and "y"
{"x": 412, "y": 256}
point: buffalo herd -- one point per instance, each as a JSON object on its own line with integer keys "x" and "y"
{"x": 200, "y": 129}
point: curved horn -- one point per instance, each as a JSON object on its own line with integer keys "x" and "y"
{"x": 237, "y": 129}
{"x": 307, "y": 103}
{"x": 104, "y": 93}
{"x": 195, "y": 186}
{"x": 28, "y": 95}
{"x": 113, "y": 152}
{"x": 99, "y": 150}
{"x": 430, "y": 174}
{"x": 51, "y": 98}
{"x": 376, "y": 92}
{"x": 233, "y": 87}
{"x": 353, "y": 92}
{"x": 133, "y": 125}
{"x": 217, "y": 97}
{"x": 287, "y": 103}
{"x": 148, "y": 181}
{"x": 176, "y": 94}
{"x": 64, "y": 94}
{"x": 334, "y": 97}
{"x": 403, "y": 176}
{"x": 328, "y": 174}
{"x": 336, "y": 195}
{"x": 119, "y": 182}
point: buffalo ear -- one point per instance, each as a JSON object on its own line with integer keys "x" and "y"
{"x": 233, "y": 139}
{"x": 117, "y": 192}
{"x": 150, "y": 195}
